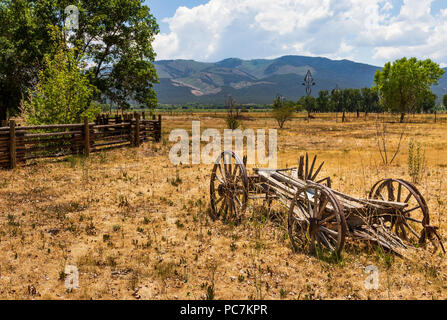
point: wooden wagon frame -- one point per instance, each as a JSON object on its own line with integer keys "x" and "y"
{"x": 395, "y": 215}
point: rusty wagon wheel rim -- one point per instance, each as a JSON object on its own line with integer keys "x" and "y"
{"x": 228, "y": 188}
{"x": 410, "y": 223}
{"x": 318, "y": 223}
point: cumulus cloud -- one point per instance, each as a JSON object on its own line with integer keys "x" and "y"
{"x": 365, "y": 31}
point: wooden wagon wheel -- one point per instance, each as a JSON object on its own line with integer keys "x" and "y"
{"x": 228, "y": 187}
{"x": 316, "y": 218}
{"x": 413, "y": 222}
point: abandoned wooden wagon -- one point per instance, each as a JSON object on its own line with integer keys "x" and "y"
{"x": 395, "y": 215}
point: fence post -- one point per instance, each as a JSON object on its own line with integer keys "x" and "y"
{"x": 86, "y": 137}
{"x": 137, "y": 130}
{"x": 159, "y": 128}
{"x": 12, "y": 145}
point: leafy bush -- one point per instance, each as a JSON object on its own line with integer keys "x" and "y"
{"x": 63, "y": 93}
{"x": 282, "y": 111}
{"x": 416, "y": 161}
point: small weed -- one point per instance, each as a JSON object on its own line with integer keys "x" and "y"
{"x": 282, "y": 293}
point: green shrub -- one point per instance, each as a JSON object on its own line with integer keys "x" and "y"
{"x": 416, "y": 161}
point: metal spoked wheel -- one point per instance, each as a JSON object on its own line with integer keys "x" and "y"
{"x": 412, "y": 223}
{"x": 316, "y": 220}
{"x": 228, "y": 188}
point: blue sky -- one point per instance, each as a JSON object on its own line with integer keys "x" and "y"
{"x": 368, "y": 31}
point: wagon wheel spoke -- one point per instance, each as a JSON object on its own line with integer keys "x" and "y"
{"x": 402, "y": 231}
{"x": 309, "y": 206}
{"x": 238, "y": 201}
{"x": 412, "y": 209}
{"x": 302, "y": 209}
{"x": 326, "y": 241}
{"x": 328, "y": 218}
{"x": 411, "y": 229}
{"x": 221, "y": 178}
{"x": 414, "y": 220}
{"x": 399, "y": 192}
{"x": 322, "y": 207}
{"x": 224, "y": 207}
{"x": 330, "y": 237}
{"x": 390, "y": 189}
{"x": 219, "y": 200}
{"x": 329, "y": 231}
{"x": 407, "y": 199}
{"x": 233, "y": 208}
{"x": 227, "y": 208}
{"x": 316, "y": 206}
{"x": 221, "y": 172}
{"x": 236, "y": 167}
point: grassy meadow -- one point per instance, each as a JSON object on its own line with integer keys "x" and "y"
{"x": 137, "y": 226}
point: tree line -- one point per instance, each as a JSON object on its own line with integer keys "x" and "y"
{"x": 403, "y": 86}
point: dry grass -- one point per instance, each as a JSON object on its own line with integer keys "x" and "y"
{"x": 136, "y": 226}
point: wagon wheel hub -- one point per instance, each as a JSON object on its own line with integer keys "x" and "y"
{"x": 226, "y": 189}
{"x": 314, "y": 226}
{"x": 221, "y": 189}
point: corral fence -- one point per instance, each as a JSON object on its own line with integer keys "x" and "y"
{"x": 21, "y": 143}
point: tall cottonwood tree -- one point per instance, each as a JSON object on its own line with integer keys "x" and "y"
{"x": 115, "y": 36}
{"x": 403, "y": 84}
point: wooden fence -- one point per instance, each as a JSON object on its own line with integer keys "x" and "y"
{"x": 21, "y": 143}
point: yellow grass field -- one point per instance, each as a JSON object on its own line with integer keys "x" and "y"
{"x": 137, "y": 226}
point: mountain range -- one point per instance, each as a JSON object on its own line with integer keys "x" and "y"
{"x": 259, "y": 81}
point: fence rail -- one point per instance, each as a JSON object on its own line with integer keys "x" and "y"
{"x": 21, "y": 143}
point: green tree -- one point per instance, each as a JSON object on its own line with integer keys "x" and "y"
{"x": 113, "y": 35}
{"x": 337, "y": 99}
{"x": 403, "y": 84}
{"x": 63, "y": 94}
{"x": 428, "y": 102}
{"x": 370, "y": 100}
{"x": 309, "y": 104}
{"x": 24, "y": 41}
{"x": 282, "y": 110}
{"x": 444, "y": 100}
{"x": 323, "y": 102}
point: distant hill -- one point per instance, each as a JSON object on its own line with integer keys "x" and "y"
{"x": 259, "y": 81}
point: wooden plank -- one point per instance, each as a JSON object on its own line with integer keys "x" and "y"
{"x": 51, "y": 134}
{"x": 51, "y": 126}
{"x": 108, "y": 143}
{"x": 105, "y": 126}
{"x": 111, "y": 147}
{"x": 76, "y": 138}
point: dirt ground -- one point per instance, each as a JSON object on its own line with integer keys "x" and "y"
{"x": 137, "y": 226}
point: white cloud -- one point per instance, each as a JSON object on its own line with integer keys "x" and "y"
{"x": 355, "y": 29}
